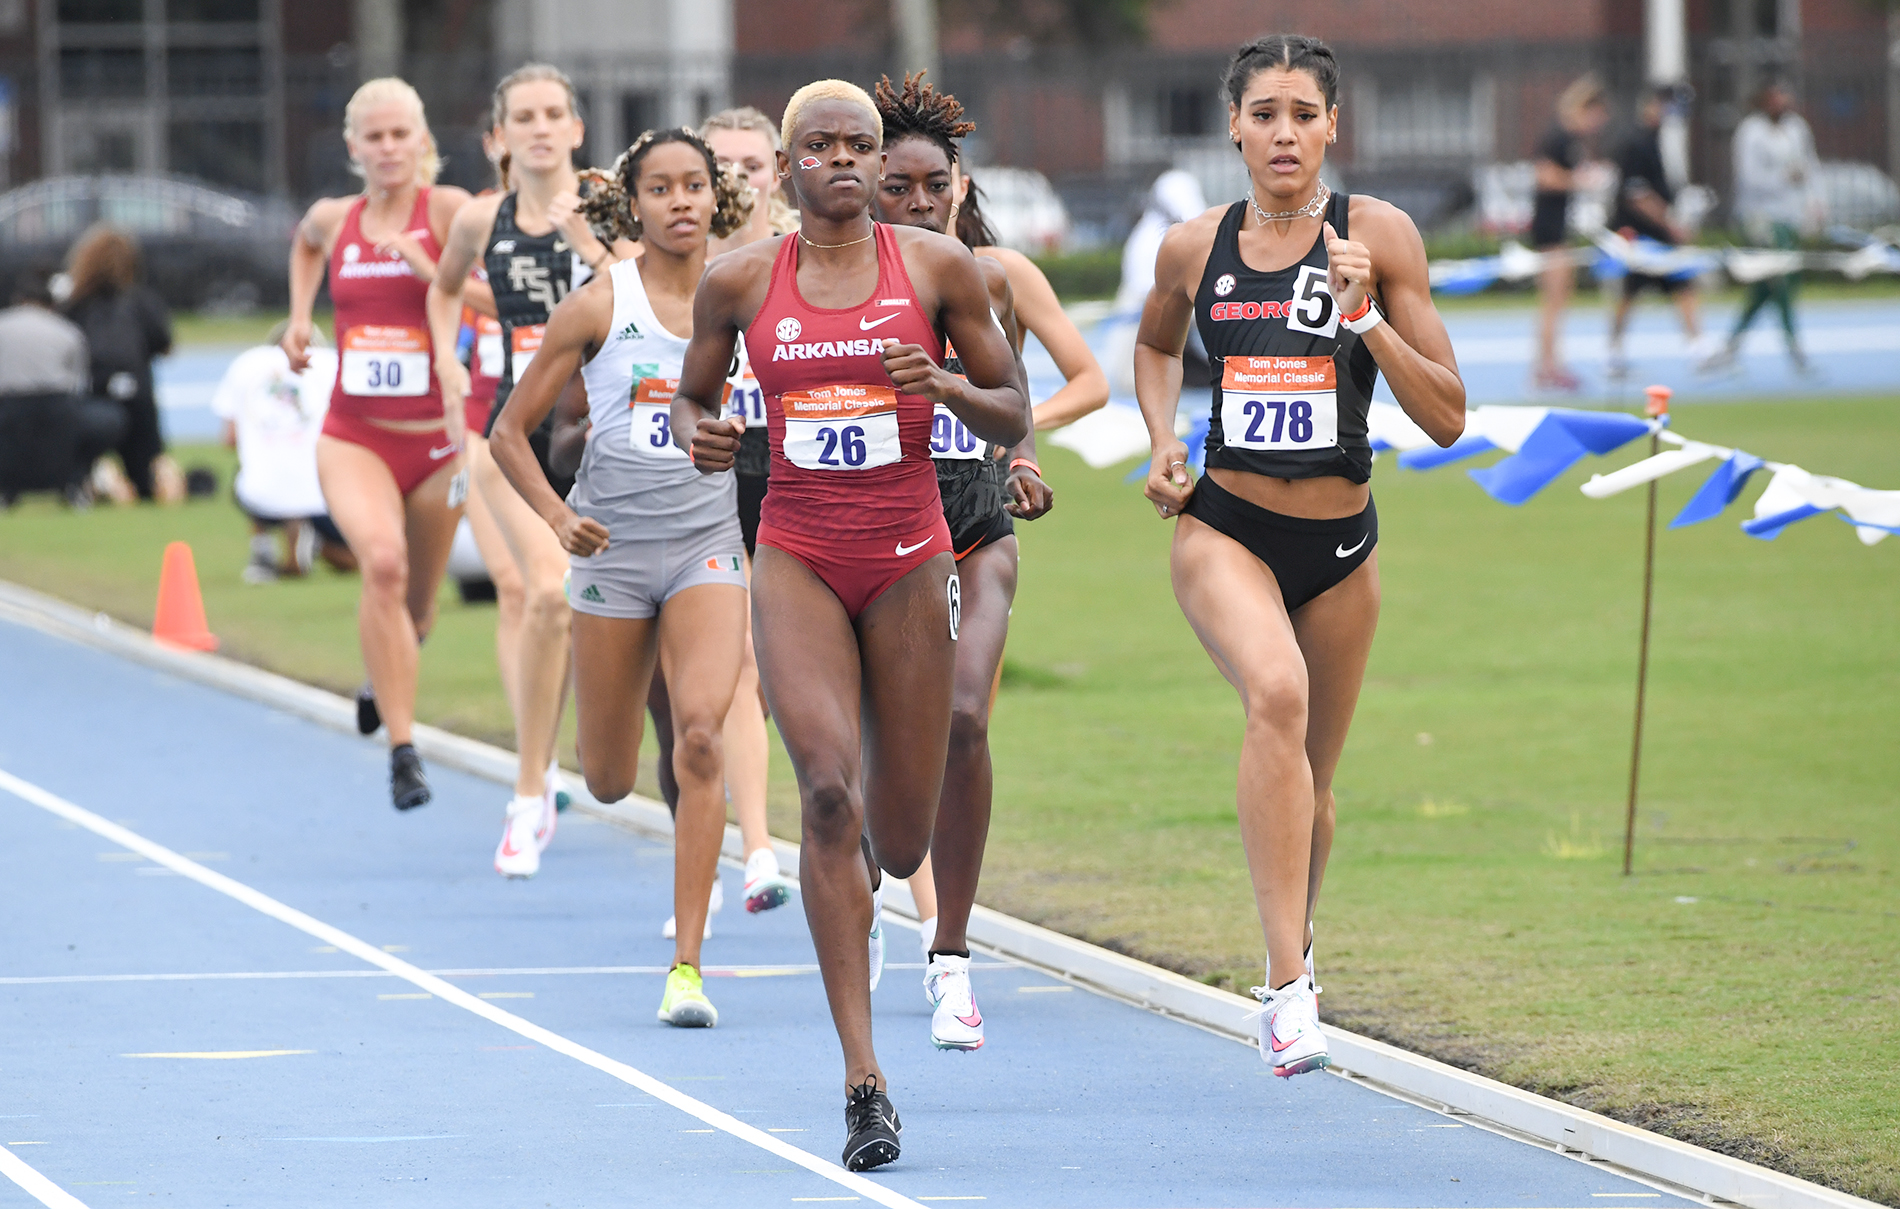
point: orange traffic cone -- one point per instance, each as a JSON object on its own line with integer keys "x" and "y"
{"x": 180, "y": 619}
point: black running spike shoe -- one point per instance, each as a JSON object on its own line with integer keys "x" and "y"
{"x": 871, "y": 1128}
{"x": 408, "y": 788}
{"x": 368, "y": 717}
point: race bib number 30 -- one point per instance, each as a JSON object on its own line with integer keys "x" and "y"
{"x": 1279, "y": 403}
{"x": 841, "y": 427}
{"x": 524, "y": 343}
{"x": 951, "y": 439}
{"x": 381, "y": 361}
{"x": 651, "y": 434}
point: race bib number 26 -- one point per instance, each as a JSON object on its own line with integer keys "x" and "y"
{"x": 1279, "y": 403}
{"x": 381, "y": 361}
{"x": 841, "y": 427}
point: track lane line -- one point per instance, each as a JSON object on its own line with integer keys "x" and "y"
{"x": 37, "y": 1186}
{"x": 264, "y": 904}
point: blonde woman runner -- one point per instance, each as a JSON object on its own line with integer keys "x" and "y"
{"x": 536, "y": 248}
{"x": 390, "y": 456}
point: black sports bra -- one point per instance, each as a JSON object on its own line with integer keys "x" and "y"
{"x": 1291, "y": 385}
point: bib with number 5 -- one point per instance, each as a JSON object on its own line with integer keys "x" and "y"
{"x": 841, "y": 427}
{"x": 1279, "y": 403}
{"x": 383, "y": 361}
{"x": 651, "y": 434}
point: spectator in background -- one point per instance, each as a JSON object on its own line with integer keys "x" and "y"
{"x": 1174, "y": 197}
{"x": 1582, "y": 111}
{"x": 126, "y": 327}
{"x": 272, "y": 417}
{"x": 1643, "y": 197}
{"x": 50, "y": 432}
{"x": 1774, "y": 164}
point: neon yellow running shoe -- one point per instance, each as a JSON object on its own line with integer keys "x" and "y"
{"x": 686, "y": 1005}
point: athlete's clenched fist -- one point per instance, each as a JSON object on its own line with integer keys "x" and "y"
{"x": 913, "y": 372}
{"x": 1348, "y": 271}
{"x": 715, "y": 443}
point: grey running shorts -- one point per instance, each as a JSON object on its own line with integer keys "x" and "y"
{"x": 632, "y": 578}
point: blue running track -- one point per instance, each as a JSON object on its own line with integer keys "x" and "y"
{"x": 162, "y": 1042}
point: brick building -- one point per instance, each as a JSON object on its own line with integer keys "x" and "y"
{"x": 249, "y": 93}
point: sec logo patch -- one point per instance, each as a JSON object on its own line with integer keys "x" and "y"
{"x": 788, "y": 328}
{"x": 1224, "y": 285}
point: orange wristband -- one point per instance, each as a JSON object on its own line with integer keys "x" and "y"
{"x": 1028, "y": 463}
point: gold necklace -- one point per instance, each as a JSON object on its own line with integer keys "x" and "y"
{"x": 832, "y": 247}
{"x": 1312, "y": 209}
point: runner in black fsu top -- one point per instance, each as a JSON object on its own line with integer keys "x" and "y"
{"x": 1303, "y": 297}
{"x": 535, "y": 246}
{"x": 855, "y": 591}
{"x": 980, "y": 496}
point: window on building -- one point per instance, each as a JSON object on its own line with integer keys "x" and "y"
{"x": 101, "y": 12}
{"x": 212, "y": 10}
{"x": 99, "y": 74}
{"x": 639, "y": 112}
{"x": 224, "y": 153}
{"x": 214, "y": 73}
{"x": 1407, "y": 121}
{"x": 1187, "y": 112}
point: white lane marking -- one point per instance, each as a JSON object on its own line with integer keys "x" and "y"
{"x": 1042, "y": 990}
{"x": 37, "y": 1186}
{"x": 265, "y": 904}
{"x": 735, "y": 971}
{"x": 225, "y": 1055}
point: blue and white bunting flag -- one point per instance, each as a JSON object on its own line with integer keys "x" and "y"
{"x": 1554, "y": 446}
{"x": 1719, "y": 490}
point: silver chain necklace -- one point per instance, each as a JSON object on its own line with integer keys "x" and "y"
{"x": 1312, "y": 209}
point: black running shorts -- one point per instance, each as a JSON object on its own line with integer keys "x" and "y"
{"x": 1307, "y": 557}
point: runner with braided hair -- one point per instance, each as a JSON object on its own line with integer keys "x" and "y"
{"x": 656, "y": 562}
{"x": 919, "y": 188}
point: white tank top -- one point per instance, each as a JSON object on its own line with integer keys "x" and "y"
{"x": 633, "y": 478}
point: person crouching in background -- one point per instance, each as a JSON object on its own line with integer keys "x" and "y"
{"x": 50, "y": 431}
{"x": 126, "y": 327}
{"x": 272, "y": 417}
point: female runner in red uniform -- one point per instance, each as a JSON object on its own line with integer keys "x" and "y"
{"x": 389, "y": 458}
{"x": 1303, "y": 298}
{"x": 855, "y": 590}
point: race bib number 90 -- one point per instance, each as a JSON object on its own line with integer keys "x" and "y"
{"x": 380, "y": 361}
{"x": 651, "y": 433}
{"x": 1279, "y": 403}
{"x": 951, "y": 439}
{"x": 841, "y": 427}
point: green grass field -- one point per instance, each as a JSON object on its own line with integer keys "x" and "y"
{"x": 1742, "y": 990}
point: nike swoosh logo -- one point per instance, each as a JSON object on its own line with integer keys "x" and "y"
{"x": 865, "y": 323}
{"x": 1342, "y": 552}
{"x": 508, "y": 847}
{"x": 1277, "y": 1046}
{"x": 439, "y": 454}
{"x": 975, "y": 1021}
{"x": 902, "y": 549}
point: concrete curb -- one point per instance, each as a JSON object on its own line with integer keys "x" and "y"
{"x": 1590, "y": 1137}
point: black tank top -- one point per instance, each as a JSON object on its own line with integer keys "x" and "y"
{"x": 529, "y": 274}
{"x": 1291, "y": 385}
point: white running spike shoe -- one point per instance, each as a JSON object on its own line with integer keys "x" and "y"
{"x": 927, "y": 936}
{"x": 765, "y": 886}
{"x": 671, "y": 927}
{"x": 544, "y": 828}
{"x": 1310, "y": 976}
{"x": 519, "y": 853}
{"x": 956, "y": 1024}
{"x": 877, "y": 933}
{"x": 1290, "y": 1038}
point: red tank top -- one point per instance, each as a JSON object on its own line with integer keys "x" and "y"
{"x": 385, "y": 360}
{"x": 850, "y": 455}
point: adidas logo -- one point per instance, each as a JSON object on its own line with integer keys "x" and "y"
{"x": 629, "y": 332}
{"x": 591, "y": 594}
{"x": 503, "y": 246}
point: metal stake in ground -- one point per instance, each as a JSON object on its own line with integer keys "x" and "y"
{"x": 1657, "y": 408}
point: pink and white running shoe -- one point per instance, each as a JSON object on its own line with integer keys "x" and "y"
{"x": 1290, "y": 1038}
{"x": 956, "y": 1024}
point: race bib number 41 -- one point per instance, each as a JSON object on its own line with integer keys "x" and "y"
{"x": 382, "y": 361}
{"x": 841, "y": 427}
{"x": 1279, "y": 403}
